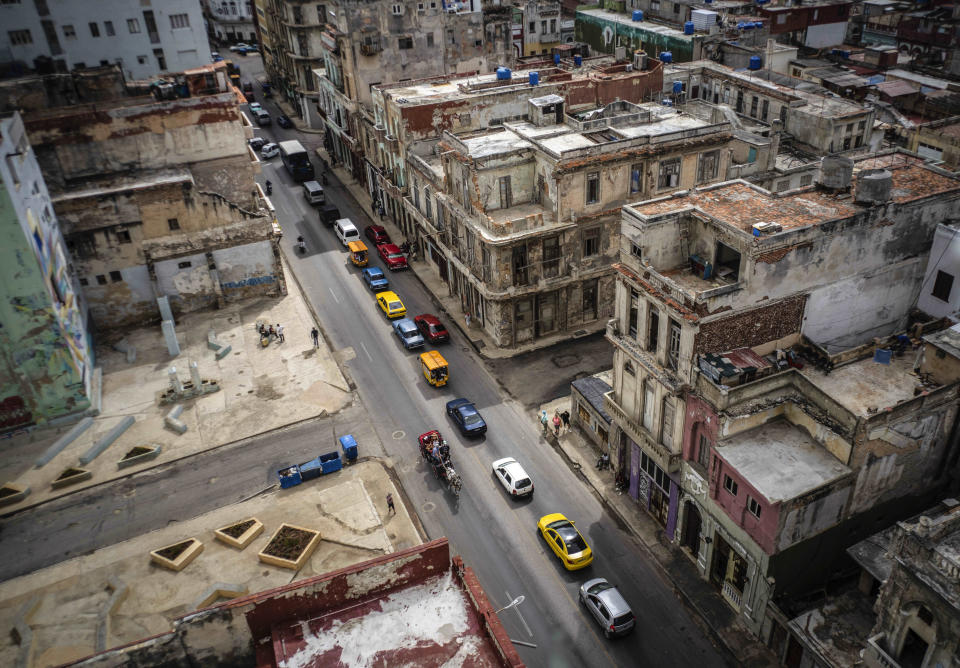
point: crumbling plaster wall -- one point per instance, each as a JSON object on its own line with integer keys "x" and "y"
{"x": 520, "y": 168}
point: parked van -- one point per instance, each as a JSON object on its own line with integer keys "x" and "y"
{"x": 313, "y": 193}
{"x": 263, "y": 118}
{"x": 346, "y": 231}
{"x": 329, "y": 215}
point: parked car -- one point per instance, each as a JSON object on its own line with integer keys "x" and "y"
{"x": 215, "y": 57}
{"x": 408, "y": 334}
{"x": 374, "y": 278}
{"x": 263, "y": 118}
{"x": 269, "y": 151}
{"x": 565, "y": 541}
{"x": 431, "y": 328}
{"x": 284, "y": 121}
{"x": 257, "y": 143}
{"x": 512, "y": 476}
{"x": 467, "y": 417}
{"x": 392, "y": 256}
{"x": 607, "y": 606}
{"x": 254, "y": 107}
{"x": 391, "y": 305}
{"x": 240, "y": 46}
{"x": 376, "y": 234}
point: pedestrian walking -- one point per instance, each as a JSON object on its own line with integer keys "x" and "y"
{"x": 390, "y": 507}
{"x": 543, "y": 421}
{"x": 280, "y": 332}
{"x": 467, "y": 318}
{"x": 556, "y": 423}
{"x": 315, "y": 335}
{"x": 565, "y": 416}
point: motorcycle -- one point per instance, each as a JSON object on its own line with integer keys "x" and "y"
{"x": 301, "y": 245}
{"x": 269, "y": 188}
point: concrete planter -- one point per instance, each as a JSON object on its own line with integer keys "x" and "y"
{"x": 223, "y": 534}
{"x": 11, "y": 493}
{"x": 290, "y": 547}
{"x": 138, "y": 455}
{"x": 70, "y": 476}
{"x": 178, "y": 555}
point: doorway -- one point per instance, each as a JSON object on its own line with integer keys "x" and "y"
{"x": 914, "y": 650}
{"x": 692, "y": 523}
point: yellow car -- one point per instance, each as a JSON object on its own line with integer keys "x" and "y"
{"x": 565, "y": 541}
{"x": 391, "y": 304}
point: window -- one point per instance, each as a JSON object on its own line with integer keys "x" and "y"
{"x": 84, "y": 282}
{"x": 553, "y": 25}
{"x": 101, "y": 279}
{"x": 628, "y": 368}
{"x": 861, "y": 126}
{"x": 590, "y": 300}
{"x": 322, "y": 13}
{"x": 427, "y": 206}
{"x": 636, "y": 251}
{"x": 674, "y": 344}
{"x": 94, "y": 29}
{"x": 420, "y": 7}
{"x": 764, "y": 110}
{"x": 123, "y": 236}
{"x": 108, "y": 27}
{"x": 397, "y": 10}
{"x": 115, "y": 276}
{"x": 161, "y": 60}
{"x": 739, "y": 102}
{"x": 69, "y": 32}
{"x": 429, "y": 39}
{"x": 179, "y": 21}
{"x": 753, "y": 507}
{"x": 551, "y": 256}
{"x": 634, "y": 313}
{"x": 593, "y": 187}
{"x": 185, "y": 265}
{"x": 405, "y": 42}
{"x": 708, "y": 166}
{"x": 173, "y": 223}
{"x": 18, "y": 37}
{"x": 653, "y": 330}
{"x": 781, "y": 18}
{"x": 133, "y": 25}
{"x": 591, "y": 241}
{"x": 783, "y": 185}
{"x": 649, "y": 396}
{"x": 666, "y": 430}
{"x": 730, "y": 484}
{"x": 635, "y": 171}
{"x": 655, "y": 5}
{"x": 506, "y": 194}
{"x": 520, "y": 265}
{"x": 543, "y": 26}
{"x": 806, "y": 180}
{"x": 676, "y": 8}
{"x": 942, "y": 286}
{"x": 669, "y": 173}
{"x": 703, "y": 452}
{"x": 533, "y": 28}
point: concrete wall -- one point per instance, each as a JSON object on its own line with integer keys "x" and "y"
{"x": 944, "y": 257}
{"x": 599, "y": 30}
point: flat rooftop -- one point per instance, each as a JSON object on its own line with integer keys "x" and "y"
{"x": 741, "y": 205}
{"x": 780, "y": 460}
{"x": 493, "y": 143}
{"x": 865, "y": 387}
{"x": 627, "y": 20}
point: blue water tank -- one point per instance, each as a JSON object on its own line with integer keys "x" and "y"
{"x": 503, "y": 74}
{"x": 534, "y": 78}
{"x": 755, "y": 62}
{"x": 556, "y": 59}
{"x": 709, "y": 2}
{"x": 748, "y": 26}
{"x": 578, "y": 60}
{"x": 688, "y": 28}
{"x": 637, "y": 15}
{"x": 666, "y": 57}
{"x": 758, "y": 25}
{"x": 667, "y": 102}
{"x": 677, "y": 87}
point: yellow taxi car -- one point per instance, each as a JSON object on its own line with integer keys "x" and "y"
{"x": 565, "y": 541}
{"x": 391, "y": 304}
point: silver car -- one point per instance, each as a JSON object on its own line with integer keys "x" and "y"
{"x": 607, "y": 606}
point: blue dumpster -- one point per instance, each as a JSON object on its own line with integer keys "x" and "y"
{"x": 289, "y": 476}
{"x": 312, "y": 469}
{"x": 349, "y": 446}
{"x": 331, "y": 462}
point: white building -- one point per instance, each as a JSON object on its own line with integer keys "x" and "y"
{"x": 231, "y": 20}
{"x": 940, "y": 294}
{"x": 144, "y": 39}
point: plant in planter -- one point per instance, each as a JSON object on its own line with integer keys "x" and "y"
{"x": 241, "y": 534}
{"x": 177, "y": 556}
{"x": 290, "y": 547}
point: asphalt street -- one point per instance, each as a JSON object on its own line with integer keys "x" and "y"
{"x": 496, "y": 535}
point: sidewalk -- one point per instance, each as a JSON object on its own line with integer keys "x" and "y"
{"x": 713, "y": 614}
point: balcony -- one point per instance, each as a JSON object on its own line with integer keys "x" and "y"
{"x": 665, "y": 459}
{"x": 392, "y": 142}
{"x": 875, "y": 655}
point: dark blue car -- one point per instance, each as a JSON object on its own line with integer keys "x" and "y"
{"x": 284, "y": 121}
{"x": 468, "y": 419}
{"x": 375, "y": 280}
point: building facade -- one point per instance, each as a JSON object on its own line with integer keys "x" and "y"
{"x": 230, "y": 20}
{"x": 144, "y": 40}
{"x": 45, "y": 344}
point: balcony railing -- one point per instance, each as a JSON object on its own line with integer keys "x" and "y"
{"x": 668, "y": 461}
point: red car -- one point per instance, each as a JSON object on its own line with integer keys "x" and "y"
{"x": 376, "y": 234}
{"x": 392, "y": 256}
{"x": 431, "y": 328}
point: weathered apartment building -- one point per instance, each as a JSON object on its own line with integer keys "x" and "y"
{"x": 537, "y": 27}
{"x": 753, "y": 417}
{"x": 153, "y": 188}
{"x": 46, "y": 352}
{"x": 366, "y": 44}
{"x": 230, "y": 20}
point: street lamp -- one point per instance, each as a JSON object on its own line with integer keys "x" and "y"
{"x": 512, "y": 604}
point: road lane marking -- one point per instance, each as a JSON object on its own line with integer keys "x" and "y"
{"x": 334, "y": 295}
{"x": 366, "y": 351}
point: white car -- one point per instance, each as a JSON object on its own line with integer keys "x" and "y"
{"x": 269, "y": 150}
{"x": 254, "y": 108}
{"x": 242, "y": 46}
{"x": 509, "y": 472}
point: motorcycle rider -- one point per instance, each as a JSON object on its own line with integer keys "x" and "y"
{"x": 269, "y": 187}
{"x": 301, "y": 245}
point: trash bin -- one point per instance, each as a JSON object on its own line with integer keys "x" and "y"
{"x": 289, "y": 476}
{"x": 349, "y": 446}
{"x": 331, "y": 462}
{"x": 312, "y": 469}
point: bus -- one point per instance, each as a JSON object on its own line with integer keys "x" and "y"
{"x": 296, "y": 160}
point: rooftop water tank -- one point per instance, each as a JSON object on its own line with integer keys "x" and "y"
{"x": 688, "y": 28}
{"x": 667, "y": 102}
{"x": 836, "y": 172}
{"x": 873, "y": 187}
{"x": 756, "y": 62}
{"x": 637, "y": 15}
{"x": 578, "y": 60}
{"x": 677, "y": 87}
{"x": 534, "y": 78}
{"x": 666, "y": 57}
{"x": 747, "y": 26}
{"x": 503, "y": 74}
{"x": 556, "y": 59}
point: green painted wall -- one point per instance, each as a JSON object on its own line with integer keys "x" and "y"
{"x": 46, "y": 356}
{"x": 590, "y": 29}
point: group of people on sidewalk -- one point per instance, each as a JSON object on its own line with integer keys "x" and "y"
{"x": 268, "y": 334}
{"x": 559, "y": 419}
